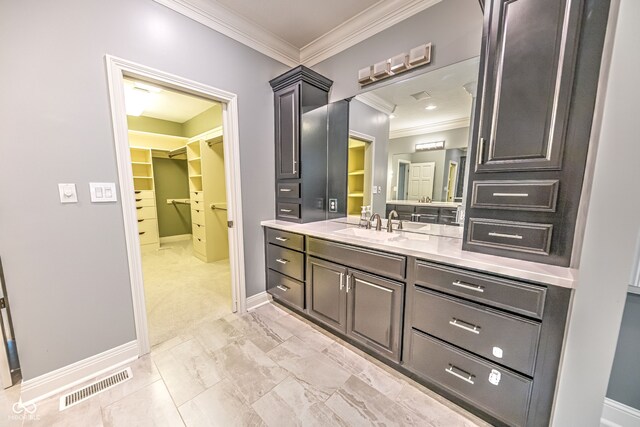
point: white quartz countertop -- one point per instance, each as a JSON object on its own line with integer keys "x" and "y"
{"x": 444, "y": 245}
{"x": 416, "y": 203}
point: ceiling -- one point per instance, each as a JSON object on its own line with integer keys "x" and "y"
{"x": 168, "y": 104}
{"x": 446, "y": 88}
{"x": 299, "y": 31}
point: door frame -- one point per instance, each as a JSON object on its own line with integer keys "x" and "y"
{"x": 371, "y": 140}
{"x": 455, "y": 179}
{"x": 117, "y": 69}
{"x": 406, "y": 179}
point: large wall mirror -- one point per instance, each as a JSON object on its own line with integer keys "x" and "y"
{"x": 408, "y": 140}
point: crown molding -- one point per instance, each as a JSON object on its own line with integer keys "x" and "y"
{"x": 222, "y": 20}
{"x": 367, "y": 23}
{"x": 374, "y": 101}
{"x": 434, "y": 127}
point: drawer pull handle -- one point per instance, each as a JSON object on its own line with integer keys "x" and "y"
{"x": 285, "y": 190}
{"x": 460, "y": 284}
{"x": 138, "y": 191}
{"x": 138, "y": 200}
{"x": 140, "y": 220}
{"x": 507, "y": 236}
{"x": 510, "y": 194}
{"x": 481, "y": 151}
{"x": 281, "y": 239}
{"x": 138, "y": 207}
{"x": 282, "y": 261}
{"x": 283, "y": 288}
{"x": 464, "y": 325}
{"x": 464, "y": 376}
{"x": 286, "y": 210}
{"x": 141, "y": 232}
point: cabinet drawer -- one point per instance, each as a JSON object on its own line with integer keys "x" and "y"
{"x": 148, "y": 238}
{"x": 146, "y": 212}
{"x": 286, "y": 239}
{"x": 497, "y": 391}
{"x": 427, "y": 210}
{"x": 200, "y": 245}
{"x": 285, "y": 261}
{"x": 503, "y": 338}
{"x": 404, "y": 208}
{"x": 388, "y": 265}
{"x": 449, "y": 212}
{"x": 288, "y": 210}
{"x": 288, "y": 191}
{"x": 451, "y": 220}
{"x": 140, "y": 202}
{"x": 197, "y": 195}
{"x": 516, "y": 195}
{"x": 426, "y": 218}
{"x": 514, "y": 236}
{"x": 198, "y": 231}
{"x": 197, "y": 216}
{"x": 197, "y": 204}
{"x": 144, "y": 194}
{"x": 148, "y": 231}
{"x": 285, "y": 289}
{"x": 501, "y": 293}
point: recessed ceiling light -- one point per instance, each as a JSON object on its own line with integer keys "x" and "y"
{"x": 430, "y": 107}
{"x": 392, "y": 116}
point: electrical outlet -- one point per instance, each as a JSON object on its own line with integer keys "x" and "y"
{"x": 333, "y": 205}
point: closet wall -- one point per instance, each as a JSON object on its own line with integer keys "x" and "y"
{"x": 172, "y": 182}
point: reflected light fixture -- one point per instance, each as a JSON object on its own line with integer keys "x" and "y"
{"x": 430, "y": 107}
{"x": 425, "y": 146}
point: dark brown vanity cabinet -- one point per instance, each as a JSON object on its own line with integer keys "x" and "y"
{"x": 301, "y": 144}
{"x": 362, "y": 306}
{"x": 537, "y": 85}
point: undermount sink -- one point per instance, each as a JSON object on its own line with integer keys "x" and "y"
{"x": 371, "y": 234}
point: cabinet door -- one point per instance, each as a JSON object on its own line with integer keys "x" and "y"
{"x": 374, "y": 312}
{"x": 287, "y": 115}
{"x": 326, "y": 293}
{"x": 529, "y": 60}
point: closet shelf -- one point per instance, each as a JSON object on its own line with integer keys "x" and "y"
{"x": 195, "y": 176}
{"x": 357, "y": 172}
{"x": 356, "y": 194}
{"x": 142, "y": 177}
{"x": 141, "y": 163}
{"x": 195, "y": 159}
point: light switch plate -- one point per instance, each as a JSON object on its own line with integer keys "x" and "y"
{"x": 102, "y": 192}
{"x": 68, "y": 193}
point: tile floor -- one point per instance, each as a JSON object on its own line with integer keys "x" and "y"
{"x": 265, "y": 368}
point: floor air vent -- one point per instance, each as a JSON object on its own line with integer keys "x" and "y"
{"x": 68, "y": 400}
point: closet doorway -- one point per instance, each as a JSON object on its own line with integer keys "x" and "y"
{"x": 179, "y": 178}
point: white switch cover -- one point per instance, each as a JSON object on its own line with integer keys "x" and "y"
{"x": 103, "y": 192}
{"x": 68, "y": 193}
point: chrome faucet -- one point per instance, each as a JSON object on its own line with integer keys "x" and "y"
{"x": 378, "y": 221}
{"x": 392, "y": 214}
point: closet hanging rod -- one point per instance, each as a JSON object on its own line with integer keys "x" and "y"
{"x": 214, "y": 141}
{"x": 214, "y": 207}
{"x": 178, "y": 201}
{"x": 177, "y": 152}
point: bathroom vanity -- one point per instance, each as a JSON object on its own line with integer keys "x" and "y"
{"x": 484, "y": 331}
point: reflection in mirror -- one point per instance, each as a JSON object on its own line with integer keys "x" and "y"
{"x": 428, "y": 118}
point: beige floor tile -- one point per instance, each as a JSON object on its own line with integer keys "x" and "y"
{"x": 293, "y": 403}
{"x": 144, "y": 373}
{"x": 262, "y": 331}
{"x": 187, "y": 369}
{"x": 250, "y": 370}
{"x": 84, "y": 414}
{"x": 149, "y": 406}
{"x": 221, "y": 405}
{"x": 378, "y": 378}
{"x": 214, "y": 334}
{"x": 8, "y": 397}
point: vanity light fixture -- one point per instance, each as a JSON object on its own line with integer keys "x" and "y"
{"x": 425, "y": 146}
{"x": 420, "y": 55}
{"x": 382, "y": 69}
{"x": 400, "y": 63}
{"x": 431, "y": 107}
{"x": 364, "y": 75}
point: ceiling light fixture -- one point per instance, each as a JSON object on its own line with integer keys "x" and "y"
{"x": 147, "y": 87}
{"x": 136, "y": 101}
{"x": 430, "y": 107}
{"x": 392, "y": 116}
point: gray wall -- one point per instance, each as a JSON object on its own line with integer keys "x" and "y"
{"x": 457, "y": 138}
{"x": 624, "y": 384}
{"x": 609, "y": 238}
{"x": 65, "y": 265}
{"x": 372, "y": 122}
{"x": 453, "y": 26}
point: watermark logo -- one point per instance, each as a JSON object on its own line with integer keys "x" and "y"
{"x": 22, "y": 411}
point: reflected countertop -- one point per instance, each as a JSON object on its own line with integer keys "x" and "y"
{"x": 416, "y": 203}
{"x": 441, "y": 243}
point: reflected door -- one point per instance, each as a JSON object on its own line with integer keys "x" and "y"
{"x": 421, "y": 180}
{"x": 452, "y": 181}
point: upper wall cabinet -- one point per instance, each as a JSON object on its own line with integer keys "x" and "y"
{"x": 300, "y": 107}
{"x": 540, "y": 63}
{"x": 530, "y": 53}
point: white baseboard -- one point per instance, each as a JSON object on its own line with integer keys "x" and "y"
{"x": 177, "y": 238}
{"x": 46, "y": 385}
{"x": 616, "y": 414}
{"x": 257, "y": 300}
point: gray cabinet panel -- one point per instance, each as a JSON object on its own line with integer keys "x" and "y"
{"x": 494, "y": 389}
{"x": 501, "y": 293}
{"x": 512, "y": 235}
{"x": 287, "y": 107}
{"x": 286, "y": 261}
{"x": 374, "y": 313}
{"x": 285, "y": 289}
{"x": 284, "y": 238}
{"x": 505, "y": 339}
{"x": 384, "y": 264}
{"x": 326, "y": 300}
{"x": 529, "y": 73}
{"x": 525, "y": 195}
